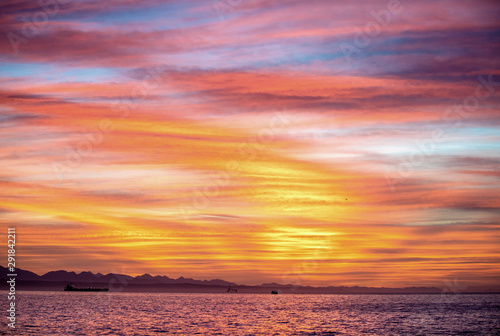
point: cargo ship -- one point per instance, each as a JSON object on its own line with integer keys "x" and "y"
{"x": 71, "y": 288}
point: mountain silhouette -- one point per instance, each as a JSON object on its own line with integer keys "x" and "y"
{"x": 89, "y": 277}
{"x": 56, "y": 280}
{"x": 26, "y": 275}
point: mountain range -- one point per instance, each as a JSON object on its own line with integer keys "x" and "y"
{"x": 56, "y": 280}
{"x": 89, "y": 277}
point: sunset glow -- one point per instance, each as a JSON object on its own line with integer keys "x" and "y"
{"x": 313, "y": 143}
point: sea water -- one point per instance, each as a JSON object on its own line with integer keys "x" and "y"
{"x": 87, "y": 313}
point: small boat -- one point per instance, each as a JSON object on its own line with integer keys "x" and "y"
{"x": 232, "y": 290}
{"x": 71, "y": 288}
{"x": 274, "y": 292}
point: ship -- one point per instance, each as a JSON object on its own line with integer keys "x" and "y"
{"x": 71, "y": 288}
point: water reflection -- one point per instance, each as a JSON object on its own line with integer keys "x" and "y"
{"x": 51, "y": 313}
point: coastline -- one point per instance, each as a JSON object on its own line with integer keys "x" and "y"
{"x": 58, "y": 286}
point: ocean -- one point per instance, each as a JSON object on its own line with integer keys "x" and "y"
{"x": 86, "y": 313}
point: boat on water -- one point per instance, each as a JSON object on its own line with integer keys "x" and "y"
{"x": 71, "y": 288}
{"x": 274, "y": 292}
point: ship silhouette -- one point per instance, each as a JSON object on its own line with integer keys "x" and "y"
{"x": 71, "y": 288}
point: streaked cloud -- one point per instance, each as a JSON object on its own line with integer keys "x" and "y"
{"x": 172, "y": 138}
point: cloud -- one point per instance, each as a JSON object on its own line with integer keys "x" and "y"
{"x": 247, "y": 146}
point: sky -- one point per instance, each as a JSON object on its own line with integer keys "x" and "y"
{"x": 305, "y": 142}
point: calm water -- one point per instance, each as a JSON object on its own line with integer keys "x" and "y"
{"x": 60, "y": 313}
